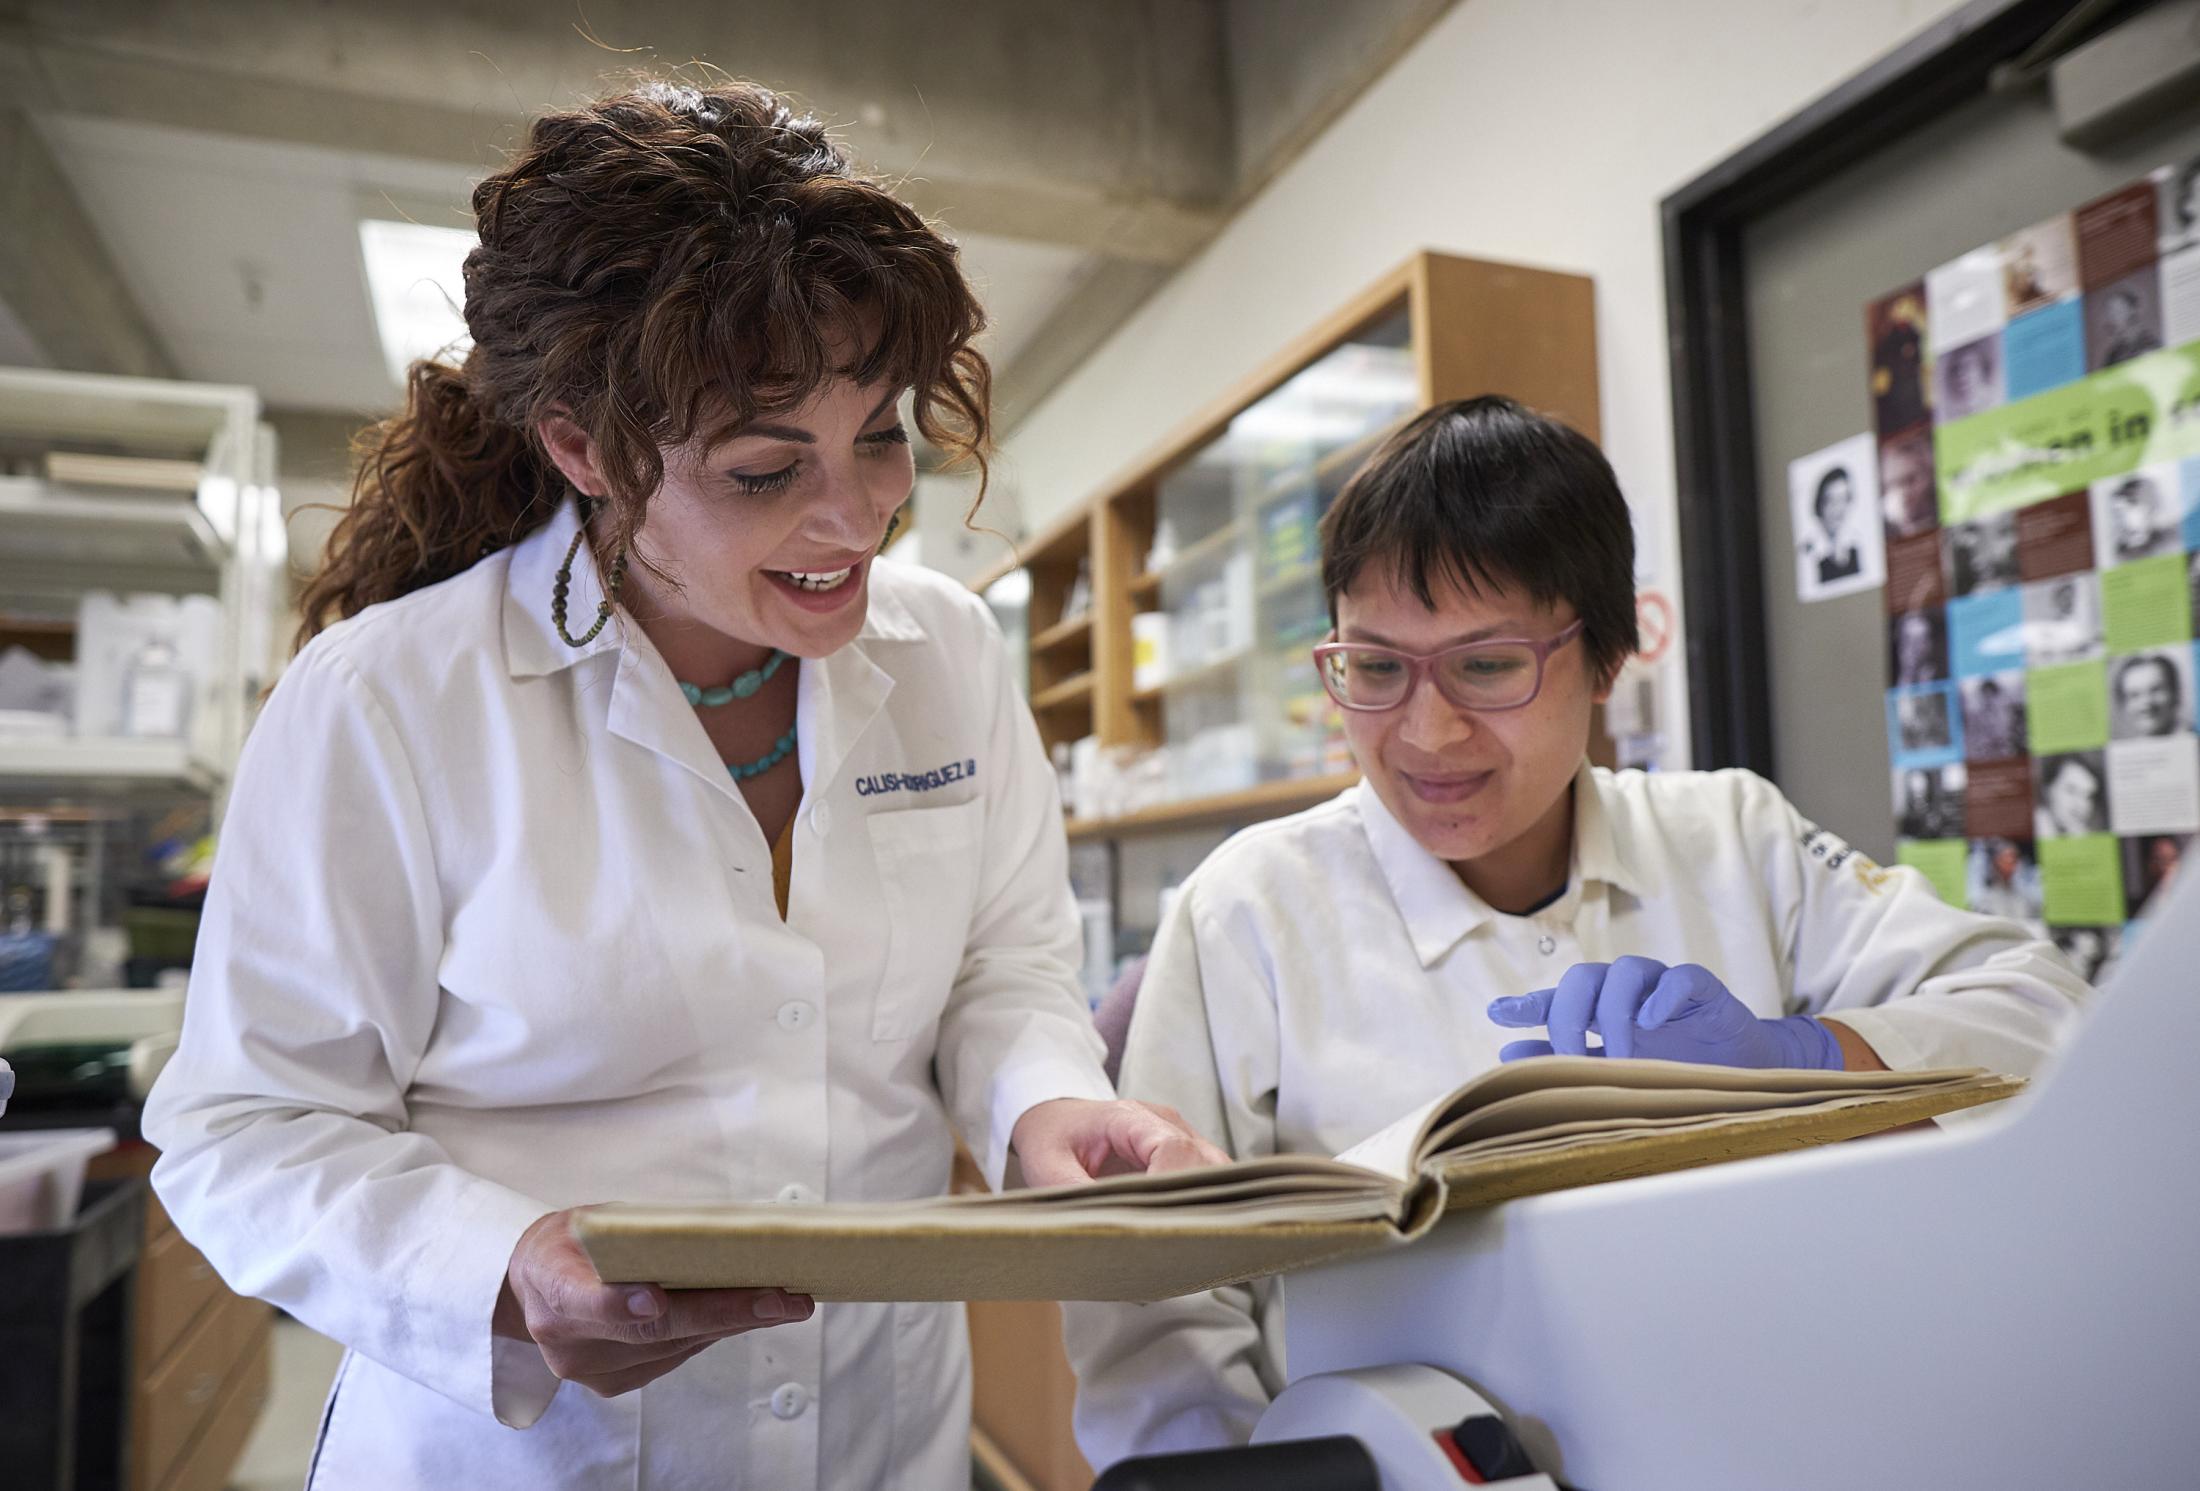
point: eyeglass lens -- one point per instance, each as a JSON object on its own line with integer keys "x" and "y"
{"x": 1497, "y": 676}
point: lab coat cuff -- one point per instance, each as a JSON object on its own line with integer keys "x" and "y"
{"x": 509, "y": 1379}
{"x": 1027, "y": 1085}
{"x": 521, "y": 1383}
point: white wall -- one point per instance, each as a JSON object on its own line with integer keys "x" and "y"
{"x": 1540, "y": 131}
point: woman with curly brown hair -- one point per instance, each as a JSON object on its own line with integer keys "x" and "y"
{"x": 627, "y": 829}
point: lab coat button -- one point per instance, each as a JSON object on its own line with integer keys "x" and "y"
{"x": 796, "y": 1014}
{"x": 789, "y": 1401}
{"x": 794, "y": 1193}
{"x": 1546, "y": 945}
{"x": 821, "y": 820}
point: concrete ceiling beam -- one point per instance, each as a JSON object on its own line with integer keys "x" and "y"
{"x": 1052, "y": 120}
{"x": 56, "y": 276}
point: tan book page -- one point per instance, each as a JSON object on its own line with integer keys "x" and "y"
{"x": 1357, "y": 1187}
{"x": 1533, "y": 1111}
{"x": 1588, "y": 1159}
{"x": 1396, "y": 1148}
{"x": 1117, "y": 1260}
{"x": 1172, "y": 1188}
{"x": 1559, "y": 1135}
{"x": 1558, "y": 1077}
{"x": 1568, "y": 1088}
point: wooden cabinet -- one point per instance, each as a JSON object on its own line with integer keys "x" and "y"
{"x": 199, "y": 1358}
{"x": 1202, "y": 554}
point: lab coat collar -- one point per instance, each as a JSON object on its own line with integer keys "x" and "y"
{"x": 837, "y": 699}
{"x": 1435, "y": 904}
{"x": 1599, "y": 856}
{"x": 888, "y": 618}
{"x": 532, "y": 646}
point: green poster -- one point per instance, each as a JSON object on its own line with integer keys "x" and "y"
{"x": 2082, "y": 881}
{"x": 2146, "y": 603}
{"x": 2121, "y": 418}
{"x": 2066, "y": 708}
{"x": 1941, "y": 861}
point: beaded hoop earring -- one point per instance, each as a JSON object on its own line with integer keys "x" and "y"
{"x": 564, "y": 582}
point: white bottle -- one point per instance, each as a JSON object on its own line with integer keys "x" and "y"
{"x": 1163, "y": 551}
{"x": 156, "y": 692}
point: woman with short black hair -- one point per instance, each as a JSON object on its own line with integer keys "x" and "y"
{"x": 1485, "y": 895}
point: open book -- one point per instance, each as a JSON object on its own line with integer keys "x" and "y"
{"x": 1529, "y": 1126}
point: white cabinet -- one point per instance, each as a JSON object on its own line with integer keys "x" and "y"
{"x": 73, "y": 523}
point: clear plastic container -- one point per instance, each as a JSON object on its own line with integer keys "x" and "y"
{"x": 42, "y": 1176}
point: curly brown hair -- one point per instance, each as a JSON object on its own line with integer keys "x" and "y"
{"x": 659, "y": 266}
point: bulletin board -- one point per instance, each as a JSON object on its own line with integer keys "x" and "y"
{"x": 1796, "y": 270}
{"x": 2036, "y": 408}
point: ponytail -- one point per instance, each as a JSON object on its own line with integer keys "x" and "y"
{"x": 437, "y": 486}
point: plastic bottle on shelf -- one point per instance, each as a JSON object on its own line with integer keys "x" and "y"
{"x": 1164, "y": 546}
{"x": 100, "y": 657}
{"x": 1149, "y": 649}
{"x": 1079, "y": 598}
{"x": 199, "y": 627}
{"x": 1064, "y": 784}
{"x": 156, "y": 692}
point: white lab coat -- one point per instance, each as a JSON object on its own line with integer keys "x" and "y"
{"x": 1321, "y": 975}
{"x": 492, "y": 934}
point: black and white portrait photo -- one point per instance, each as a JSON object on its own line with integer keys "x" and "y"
{"x": 2072, "y": 795}
{"x": 2135, "y": 516}
{"x": 1917, "y": 648}
{"x": 1833, "y": 504}
{"x": 1928, "y": 802}
{"x": 2150, "y": 694}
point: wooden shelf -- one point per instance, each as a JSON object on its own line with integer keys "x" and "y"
{"x": 1176, "y": 683}
{"x": 1064, "y": 540}
{"x": 1222, "y": 541}
{"x": 1436, "y": 328}
{"x": 1068, "y": 691}
{"x": 1063, "y": 633}
{"x": 1268, "y": 800}
{"x": 36, "y": 626}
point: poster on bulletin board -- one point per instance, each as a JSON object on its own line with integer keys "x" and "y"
{"x": 2036, "y": 410}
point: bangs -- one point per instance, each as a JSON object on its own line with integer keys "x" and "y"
{"x": 1495, "y": 500}
{"x": 858, "y": 288}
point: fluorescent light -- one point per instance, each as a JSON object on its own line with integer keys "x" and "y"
{"x": 414, "y": 280}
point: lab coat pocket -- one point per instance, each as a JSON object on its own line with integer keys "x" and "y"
{"x": 928, "y": 863}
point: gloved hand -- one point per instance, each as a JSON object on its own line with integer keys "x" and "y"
{"x": 1643, "y": 1008}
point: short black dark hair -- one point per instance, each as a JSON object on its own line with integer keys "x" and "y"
{"x": 1491, "y": 495}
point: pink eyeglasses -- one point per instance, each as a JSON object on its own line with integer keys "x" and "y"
{"x": 1503, "y": 674}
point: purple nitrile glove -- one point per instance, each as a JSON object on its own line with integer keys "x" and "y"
{"x": 1643, "y": 1008}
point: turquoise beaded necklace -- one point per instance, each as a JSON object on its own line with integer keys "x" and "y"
{"x": 747, "y": 684}
{"x": 741, "y": 688}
